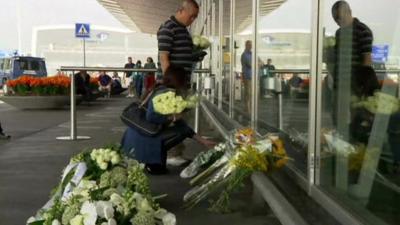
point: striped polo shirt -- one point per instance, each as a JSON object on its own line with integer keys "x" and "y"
{"x": 352, "y": 43}
{"x": 174, "y": 38}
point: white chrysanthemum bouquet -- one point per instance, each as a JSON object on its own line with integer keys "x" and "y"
{"x": 200, "y": 43}
{"x": 169, "y": 103}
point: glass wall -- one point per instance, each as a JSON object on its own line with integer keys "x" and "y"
{"x": 242, "y": 61}
{"x": 283, "y": 52}
{"x": 360, "y": 149}
{"x": 341, "y": 122}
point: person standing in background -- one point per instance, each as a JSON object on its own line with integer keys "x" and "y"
{"x": 245, "y": 60}
{"x": 105, "y": 82}
{"x": 149, "y": 78}
{"x": 138, "y": 77}
{"x": 129, "y": 65}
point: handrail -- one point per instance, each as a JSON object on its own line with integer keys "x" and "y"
{"x": 118, "y": 69}
{"x": 325, "y": 71}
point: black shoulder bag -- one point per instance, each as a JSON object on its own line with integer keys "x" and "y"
{"x": 134, "y": 116}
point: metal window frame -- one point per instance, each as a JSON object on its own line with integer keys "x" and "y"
{"x": 232, "y": 78}
{"x": 221, "y": 52}
{"x": 254, "y": 71}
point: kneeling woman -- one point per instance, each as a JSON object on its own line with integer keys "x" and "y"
{"x": 152, "y": 151}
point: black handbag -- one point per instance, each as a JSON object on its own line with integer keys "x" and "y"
{"x": 134, "y": 116}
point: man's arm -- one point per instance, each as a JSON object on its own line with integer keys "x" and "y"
{"x": 164, "y": 60}
{"x": 367, "y": 59}
{"x": 165, "y": 37}
{"x": 366, "y": 41}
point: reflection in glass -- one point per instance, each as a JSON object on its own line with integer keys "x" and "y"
{"x": 360, "y": 131}
{"x": 283, "y": 51}
{"x": 242, "y": 87}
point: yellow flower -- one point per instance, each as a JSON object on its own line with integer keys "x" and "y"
{"x": 250, "y": 158}
{"x": 279, "y": 153}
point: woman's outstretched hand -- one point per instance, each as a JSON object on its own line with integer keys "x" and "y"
{"x": 208, "y": 143}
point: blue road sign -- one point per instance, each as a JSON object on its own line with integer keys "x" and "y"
{"x": 82, "y": 30}
{"x": 380, "y": 53}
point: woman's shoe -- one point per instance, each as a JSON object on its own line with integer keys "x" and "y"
{"x": 156, "y": 169}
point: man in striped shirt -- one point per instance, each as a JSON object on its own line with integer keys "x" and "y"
{"x": 353, "y": 50}
{"x": 175, "y": 44}
{"x": 175, "y": 47}
{"x": 353, "y": 41}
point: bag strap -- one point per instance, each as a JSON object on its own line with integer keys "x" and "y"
{"x": 150, "y": 95}
{"x": 146, "y": 99}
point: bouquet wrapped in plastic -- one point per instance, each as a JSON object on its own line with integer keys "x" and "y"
{"x": 244, "y": 156}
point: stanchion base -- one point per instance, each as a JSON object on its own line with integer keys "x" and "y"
{"x": 68, "y": 138}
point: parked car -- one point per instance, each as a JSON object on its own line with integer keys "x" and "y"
{"x": 16, "y": 66}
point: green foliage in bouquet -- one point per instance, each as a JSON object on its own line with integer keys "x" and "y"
{"x": 102, "y": 187}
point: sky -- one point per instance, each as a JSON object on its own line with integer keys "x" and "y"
{"x": 47, "y": 12}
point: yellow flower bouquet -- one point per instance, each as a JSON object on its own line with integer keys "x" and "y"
{"x": 236, "y": 164}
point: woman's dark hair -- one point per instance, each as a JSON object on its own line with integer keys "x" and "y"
{"x": 140, "y": 62}
{"x": 151, "y": 59}
{"x": 175, "y": 77}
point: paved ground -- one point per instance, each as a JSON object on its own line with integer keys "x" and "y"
{"x": 32, "y": 161}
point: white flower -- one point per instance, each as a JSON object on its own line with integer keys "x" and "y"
{"x": 55, "y": 222}
{"x": 89, "y": 213}
{"x": 116, "y": 199}
{"x": 144, "y": 205}
{"x": 87, "y": 184}
{"x": 204, "y": 42}
{"x": 31, "y": 220}
{"x": 77, "y": 220}
{"x": 107, "y": 156}
{"x": 105, "y": 209}
{"x": 103, "y": 165}
{"x": 169, "y": 219}
{"x": 115, "y": 159}
{"x": 159, "y": 214}
{"x": 196, "y": 40}
{"x": 112, "y": 222}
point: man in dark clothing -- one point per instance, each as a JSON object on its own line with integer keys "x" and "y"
{"x": 175, "y": 44}
{"x": 105, "y": 83}
{"x": 82, "y": 84}
{"x": 267, "y": 75}
{"x": 352, "y": 50}
{"x": 175, "y": 47}
{"x": 353, "y": 41}
{"x": 129, "y": 65}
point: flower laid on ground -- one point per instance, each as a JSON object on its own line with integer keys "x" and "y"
{"x": 102, "y": 187}
{"x": 228, "y": 170}
{"x": 244, "y": 136}
{"x": 169, "y": 103}
{"x": 30, "y": 85}
{"x": 204, "y": 160}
